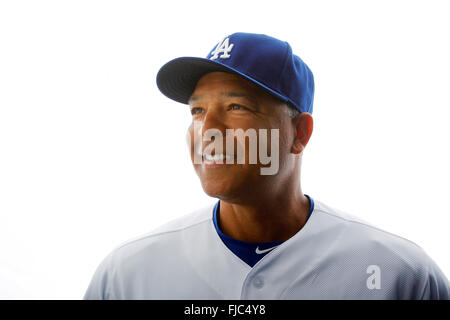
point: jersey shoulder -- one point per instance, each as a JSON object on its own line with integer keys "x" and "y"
{"x": 121, "y": 271}
{"x": 407, "y": 263}
{"x": 367, "y": 230}
{"x": 168, "y": 230}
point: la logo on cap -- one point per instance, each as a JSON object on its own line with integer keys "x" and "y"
{"x": 223, "y": 47}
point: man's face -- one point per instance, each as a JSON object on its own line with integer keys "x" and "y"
{"x": 224, "y": 101}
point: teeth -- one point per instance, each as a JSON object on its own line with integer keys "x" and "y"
{"x": 216, "y": 157}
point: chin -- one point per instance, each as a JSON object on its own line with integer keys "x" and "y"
{"x": 228, "y": 183}
{"x": 216, "y": 189}
{"x": 221, "y": 189}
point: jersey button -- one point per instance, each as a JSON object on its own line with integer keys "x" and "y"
{"x": 258, "y": 282}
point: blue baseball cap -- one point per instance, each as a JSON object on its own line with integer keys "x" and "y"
{"x": 265, "y": 61}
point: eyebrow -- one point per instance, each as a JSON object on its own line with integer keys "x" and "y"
{"x": 228, "y": 94}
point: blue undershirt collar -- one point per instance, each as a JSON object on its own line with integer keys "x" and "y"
{"x": 250, "y": 252}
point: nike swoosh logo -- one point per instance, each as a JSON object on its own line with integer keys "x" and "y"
{"x": 263, "y": 251}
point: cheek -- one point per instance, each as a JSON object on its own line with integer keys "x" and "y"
{"x": 276, "y": 136}
{"x": 284, "y": 141}
{"x": 194, "y": 137}
{"x": 194, "y": 144}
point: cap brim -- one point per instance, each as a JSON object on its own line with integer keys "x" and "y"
{"x": 177, "y": 78}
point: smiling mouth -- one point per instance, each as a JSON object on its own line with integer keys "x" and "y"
{"x": 219, "y": 159}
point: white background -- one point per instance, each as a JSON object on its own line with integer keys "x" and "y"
{"x": 92, "y": 154}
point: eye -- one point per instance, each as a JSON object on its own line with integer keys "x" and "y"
{"x": 237, "y": 107}
{"x": 196, "y": 110}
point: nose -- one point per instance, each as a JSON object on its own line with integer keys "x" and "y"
{"x": 213, "y": 124}
{"x": 209, "y": 129}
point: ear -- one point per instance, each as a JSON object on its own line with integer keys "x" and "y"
{"x": 304, "y": 128}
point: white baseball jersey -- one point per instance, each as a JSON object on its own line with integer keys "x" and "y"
{"x": 334, "y": 256}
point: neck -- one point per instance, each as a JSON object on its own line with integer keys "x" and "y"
{"x": 275, "y": 216}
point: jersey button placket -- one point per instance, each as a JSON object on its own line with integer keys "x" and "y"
{"x": 258, "y": 282}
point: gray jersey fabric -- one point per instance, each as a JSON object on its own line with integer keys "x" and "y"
{"x": 334, "y": 256}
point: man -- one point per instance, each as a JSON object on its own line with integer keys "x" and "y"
{"x": 264, "y": 238}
